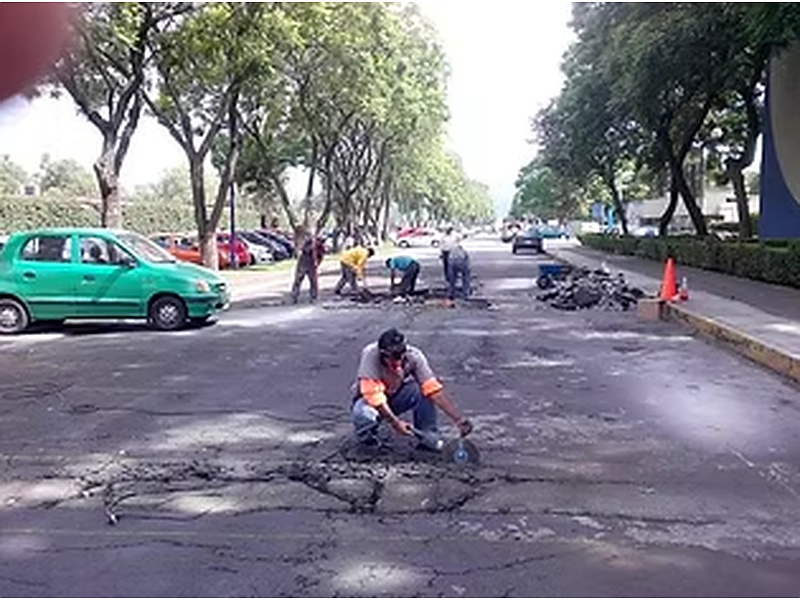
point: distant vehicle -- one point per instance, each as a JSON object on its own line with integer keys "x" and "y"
{"x": 240, "y": 249}
{"x": 278, "y": 237}
{"x": 49, "y": 275}
{"x": 509, "y": 232}
{"x": 418, "y": 238}
{"x": 549, "y": 232}
{"x": 262, "y": 249}
{"x": 530, "y": 239}
{"x": 645, "y": 231}
{"x": 279, "y": 251}
{"x": 185, "y": 248}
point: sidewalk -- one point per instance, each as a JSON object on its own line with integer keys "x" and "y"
{"x": 758, "y": 320}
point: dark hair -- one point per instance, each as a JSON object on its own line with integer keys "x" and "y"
{"x": 392, "y": 343}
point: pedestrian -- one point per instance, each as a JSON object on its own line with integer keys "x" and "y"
{"x": 353, "y": 263}
{"x": 448, "y": 242}
{"x": 308, "y": 260}
{"x": 410, "y": 269}
{"x": 458, "y": 267}
{"x": 394, "y": 378}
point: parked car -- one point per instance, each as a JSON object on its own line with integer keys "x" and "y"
{"x": 279, "y": 251}
{"x": 241, "y": 251}
{"x": 279, "y": 238}
{"x": 530, "y": 239}
{"x": 418, "y": 238}
{"x": 75, "y": 273}
{"x": 259, "y": 247}
{"x": 549, "y": 232}
{"x": 186, "y": 248}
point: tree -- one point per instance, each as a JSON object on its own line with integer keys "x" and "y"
{"x": 202, "y": 59}
{"x": 12, "y": 176}
{"x": 542, "y": 194}
{"x": 65, "y": 177}
{"x": 103, "y": 72}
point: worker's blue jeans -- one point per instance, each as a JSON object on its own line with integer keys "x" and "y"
{"x": 408, "y": 397}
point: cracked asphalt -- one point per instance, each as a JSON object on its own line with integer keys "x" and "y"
{"x": 619, "y": 458}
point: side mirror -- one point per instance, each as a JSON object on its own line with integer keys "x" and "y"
{"x": 127, "y": 261}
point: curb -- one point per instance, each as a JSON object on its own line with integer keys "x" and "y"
{"x": 771, "y": 357}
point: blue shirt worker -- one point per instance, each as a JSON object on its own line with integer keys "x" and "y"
{"x": 409, "y": 268}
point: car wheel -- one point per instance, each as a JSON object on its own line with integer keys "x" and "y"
{"x": 404, "y": 244}
{"x": 168, "y": 313}
{"x": 514, "y": 250}
{"x": 435, "y": 243}
{"x": 13, "y": 316}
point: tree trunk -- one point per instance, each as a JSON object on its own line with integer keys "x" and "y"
{"x": 108, "y": 182}
{"x": 695, "y": 213}
{"x": 618, "y": 204}
{"x": 207, "y": 236}
{"x": 742, "y": 204}
{"x": 666, "y": 217}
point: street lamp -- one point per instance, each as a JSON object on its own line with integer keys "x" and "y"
{"x": 232, "y": 245}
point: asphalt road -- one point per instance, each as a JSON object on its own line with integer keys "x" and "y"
{"x": 619, "y": 458}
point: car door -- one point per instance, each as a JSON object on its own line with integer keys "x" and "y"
{"x": 46, "y": 274}
{"x": 110, "y": 283}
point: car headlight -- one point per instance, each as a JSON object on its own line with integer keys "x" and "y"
{"x": 202, "y": 286}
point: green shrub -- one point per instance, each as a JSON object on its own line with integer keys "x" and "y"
{"x": 19, "y": 213}
{"x": 774, "y": 261}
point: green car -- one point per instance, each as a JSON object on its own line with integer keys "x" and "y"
{"x": 55, "y": 274}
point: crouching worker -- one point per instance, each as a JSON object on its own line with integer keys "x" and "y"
{"x": 409, "y": 268}
{"x": 392, "y": 379}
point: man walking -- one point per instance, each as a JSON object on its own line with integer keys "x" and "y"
{"x": 458, "y": 267}
{"x": 394, "y": 378}
{"x": 409, "y": 268}
{"x": 353, "y": 263}
{"x": 308, "y": 261}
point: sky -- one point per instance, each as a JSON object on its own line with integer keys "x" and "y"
{"x": 504, "y": 59}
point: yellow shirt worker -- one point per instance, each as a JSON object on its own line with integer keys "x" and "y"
{"x": 353, "y": 263}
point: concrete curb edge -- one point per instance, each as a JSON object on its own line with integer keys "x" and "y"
{"x": 766, "y": 355}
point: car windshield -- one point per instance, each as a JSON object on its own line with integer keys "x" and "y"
{"x": 147, "y": 249}
{"x": 532, "y": 232}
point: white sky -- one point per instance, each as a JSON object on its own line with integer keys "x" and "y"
{"x": 504, "y": 58}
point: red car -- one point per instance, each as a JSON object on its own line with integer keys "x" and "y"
{"x": 241, "y": 253}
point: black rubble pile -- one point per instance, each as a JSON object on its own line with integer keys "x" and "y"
{"x": 583, "y": 288}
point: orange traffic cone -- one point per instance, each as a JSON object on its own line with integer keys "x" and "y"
{"x": 669, "y": 287}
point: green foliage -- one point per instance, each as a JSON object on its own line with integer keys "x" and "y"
{"x": 65, "y": 177}
{"x": 773, "y": 263}
{"x": 650, "y": 85}
{"x": 18, "y": 213}
{"x": 12, "y": 176}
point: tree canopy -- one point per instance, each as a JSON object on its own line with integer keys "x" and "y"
{"x": 353, "y": 95}
{"x": 651, "y": 90}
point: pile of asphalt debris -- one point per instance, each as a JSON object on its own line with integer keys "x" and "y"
{"x": 582, "y": 288}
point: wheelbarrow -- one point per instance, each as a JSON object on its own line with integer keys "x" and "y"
{"x": 549, "y": 273}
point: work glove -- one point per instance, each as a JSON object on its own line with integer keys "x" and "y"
{"x": 464, "y": 426}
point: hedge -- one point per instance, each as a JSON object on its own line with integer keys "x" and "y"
{"x": 19, "y": 213}
{"x": 777, "y": 261}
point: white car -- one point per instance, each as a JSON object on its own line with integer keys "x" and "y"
{"x": 261, "y": 254}
{"x": 419, "y": 238}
